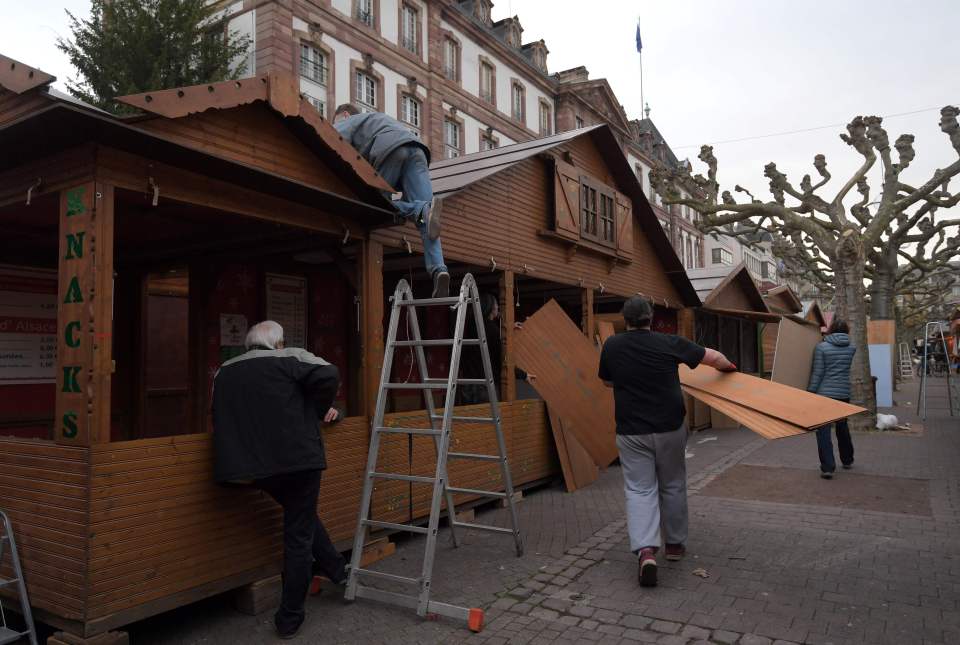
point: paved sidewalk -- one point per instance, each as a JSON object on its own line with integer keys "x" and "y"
{"x": 805, "y": 572}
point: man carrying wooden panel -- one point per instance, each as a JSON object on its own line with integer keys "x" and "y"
{"x": 403, "y": 162}
{"x": 641, "y": 367}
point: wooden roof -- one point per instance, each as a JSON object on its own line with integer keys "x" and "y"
{"x": 451, "y": 175}
{"x": 783, "y": 300}
{"x": 20, "y": 78}
{"x": 53, "y": 122}
{"x": 735, "y": 292}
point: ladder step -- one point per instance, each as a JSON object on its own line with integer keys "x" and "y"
{"x": 433, "y": 384}
{"x": 484, "y": 527}
{"x": 440, "y": 342}
{"x": 439, "y": 417}
{"x": 474, "y": 491}
{"x": 370, "y": 573}
{"x": 426, "y": 431}
{"x": 7, "y": 635}
{"x": 459, "y": 381}
{"x": 8, "y": 581}
{"x": 396, "y": 527}
{"x": 428, "y": 302}
{"x": 471, "y": 455}
{"x": 405, "y": 478}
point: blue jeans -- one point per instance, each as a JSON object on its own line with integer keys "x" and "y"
{"x": 406, "y": 168}
{"x": 844, "y": 445}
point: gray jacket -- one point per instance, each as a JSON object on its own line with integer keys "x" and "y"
{"x": 830, "y": 375}
{"x": 375, "y": 135}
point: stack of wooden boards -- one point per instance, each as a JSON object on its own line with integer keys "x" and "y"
{"x": 581, "y": 407}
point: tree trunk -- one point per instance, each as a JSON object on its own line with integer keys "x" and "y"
{"x": 851, "y": 306}
{"x": 883, "y": 288}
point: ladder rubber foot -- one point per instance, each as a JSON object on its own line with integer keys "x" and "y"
{"x": 475, "y": 620}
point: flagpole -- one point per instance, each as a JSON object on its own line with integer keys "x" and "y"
{"x": 643, "y": 103}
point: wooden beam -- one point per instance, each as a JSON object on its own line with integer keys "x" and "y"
{"x": 586, "y": 317}
{"x": 102, "y": 249}
{"x": 685, "y": 323}
{"x": 508, "y": 379}
{"x": 371, "y": 267}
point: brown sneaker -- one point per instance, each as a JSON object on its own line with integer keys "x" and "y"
{"x": 441, "y": 284}
{"x": 647, "y": 573}
{"x": 675, "y": 552}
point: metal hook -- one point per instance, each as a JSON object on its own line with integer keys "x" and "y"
{"x": 407, "y": 243}
{"x": 346, "y": 235}
{"x": 33, "y": 187}
{"x": 156, "y": 191}
{"x": 602, "y": 288}
{"x": 493, "y": 264}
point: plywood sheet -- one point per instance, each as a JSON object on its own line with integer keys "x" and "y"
{"x": 565, "y": 361}
{"x": 798, "y": 407}
{"x": 561, "y": 444}
{"x": 881, "y": 332}
{"x": 793, "y": 357}
{"x": 605, "y": 330}
{"x": 577, "y": 464}
{"x": 762, "y": 424}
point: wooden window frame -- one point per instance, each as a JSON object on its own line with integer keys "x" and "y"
{"x": 545, "y": 106}
{"x": 355, "y": 14}
{"x": 331, "y": 97}
{"x": 457, "y": 78}
{"x": 358, "y": 67}
{"x": 404, "y": 92}
{"x": 602, "y": 191}
{"x": 492, "y": 99}
{"x": 488, "y": 137}
{"x": 462, "y": 138}
{"x": 577, "y": 122}
{"x": 515, "y": 84}
{"x": 418, "y": 32}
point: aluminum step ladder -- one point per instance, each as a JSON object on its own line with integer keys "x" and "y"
{"x": 441, "y": 428}
{"x": 8, "y": 635}
{"x": 930, "y": 331}
{"x": 905, "y": 361}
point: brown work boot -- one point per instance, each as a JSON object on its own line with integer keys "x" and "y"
{"x": 647, "y": 573}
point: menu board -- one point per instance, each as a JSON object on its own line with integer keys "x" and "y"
{"x": 287, "y": 305}
{"x": 28, "y": 325}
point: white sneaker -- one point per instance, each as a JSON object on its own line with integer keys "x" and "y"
{"x": 431, "y": 217}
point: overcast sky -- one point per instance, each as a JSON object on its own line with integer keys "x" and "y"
{"x": 713, "y": 71}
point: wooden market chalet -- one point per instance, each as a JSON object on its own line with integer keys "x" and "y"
{"x": 140, "y": 247}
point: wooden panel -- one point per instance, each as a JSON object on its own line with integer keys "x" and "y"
{"x": 533, "y": 456}
{"x": 43, "y": 490}
{"x": 769, "y": 340}
{"x": 575, "y": 462}
{"x": 566, "y": 362}
{"x": 624, "y": 224}
{"x": 763, "y": 425}
{"x": 480, "y": 224}
{"x": 782, "y": 402}
{"x": 566, "y": 200}
{"x": 881, "y": 332}
{"x": 794, "y": 353}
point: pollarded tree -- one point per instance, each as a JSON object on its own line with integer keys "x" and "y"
{"x": 133, "y": 46}
{"x": 826, "y": 239}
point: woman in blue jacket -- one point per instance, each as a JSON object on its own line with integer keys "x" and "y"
{"x": 830, "y": 376}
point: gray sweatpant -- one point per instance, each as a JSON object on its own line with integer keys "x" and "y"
{"x": 654, "y": 471}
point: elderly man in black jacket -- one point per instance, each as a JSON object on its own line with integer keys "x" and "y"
{"x": 404, "y": 162}
{"x": 268, "y": 405}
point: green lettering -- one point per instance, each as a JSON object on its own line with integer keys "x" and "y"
{"x": 75, "y": 245}
{"x": 70, "y": 383}
{"x": 74, "y": 294}
{"x": 70, "y": 429}
{"x": 75, "y": 205}
{"x": 69, "y": 334}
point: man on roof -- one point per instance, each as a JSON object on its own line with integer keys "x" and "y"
{"x": 403, "y": 162}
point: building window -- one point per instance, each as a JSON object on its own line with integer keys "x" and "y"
{"x": 410, "y": 112}
{"x": 518, "y": 101}
{"x": 721, "y": 256}
{"x": 364, "y": 12}
{"x": 483, "y": 11}
{"x": 690, "y": 263}
{"x": 320, "y": 104}
{"x": 451, "y": 59}
{"x": 366, "y": 92}
{"x": 487, "y": 81}
{"x": 313, "y": 64}
{"x": 452, "y": 138}
{"x": 546, "y": 123}
{"x": 598, "y": 213}
{"x": 579, "y": 122}
{"x": 488, "y": 142}
{"x": 409, "y": 28}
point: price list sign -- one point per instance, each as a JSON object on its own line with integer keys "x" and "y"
{"x": 287, "y": 305}
{"x": 28, "y": 326}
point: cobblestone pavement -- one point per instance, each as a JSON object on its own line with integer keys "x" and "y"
{"x": 778, "y": 573}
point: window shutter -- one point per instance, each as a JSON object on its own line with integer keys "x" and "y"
{"x": 566, "y": 199}
{"x": 624, "y": 227}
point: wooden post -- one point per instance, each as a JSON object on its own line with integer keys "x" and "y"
{"x": 372, "y": 323}
{"x": 586, "y": 316}
{"x": 85, "y": 314}
{"x": 686, "y": 323}
{"x": 508, "y": 378}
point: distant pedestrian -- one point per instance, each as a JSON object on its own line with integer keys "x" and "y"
{"x": 641, "y": 367}
{"x": 830, "y": 377}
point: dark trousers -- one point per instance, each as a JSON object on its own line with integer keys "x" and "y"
{"x": 305, "y": 542}
{"x": 844, "y": 445}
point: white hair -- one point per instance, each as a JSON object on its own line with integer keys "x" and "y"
{"x": 265, "y": 334}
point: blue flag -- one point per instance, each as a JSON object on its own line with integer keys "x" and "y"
{"x": 639, "y": 43}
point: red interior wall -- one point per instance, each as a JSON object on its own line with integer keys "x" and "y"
{"x": 664, "y": 320}
{"x": 328, "y": 324}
